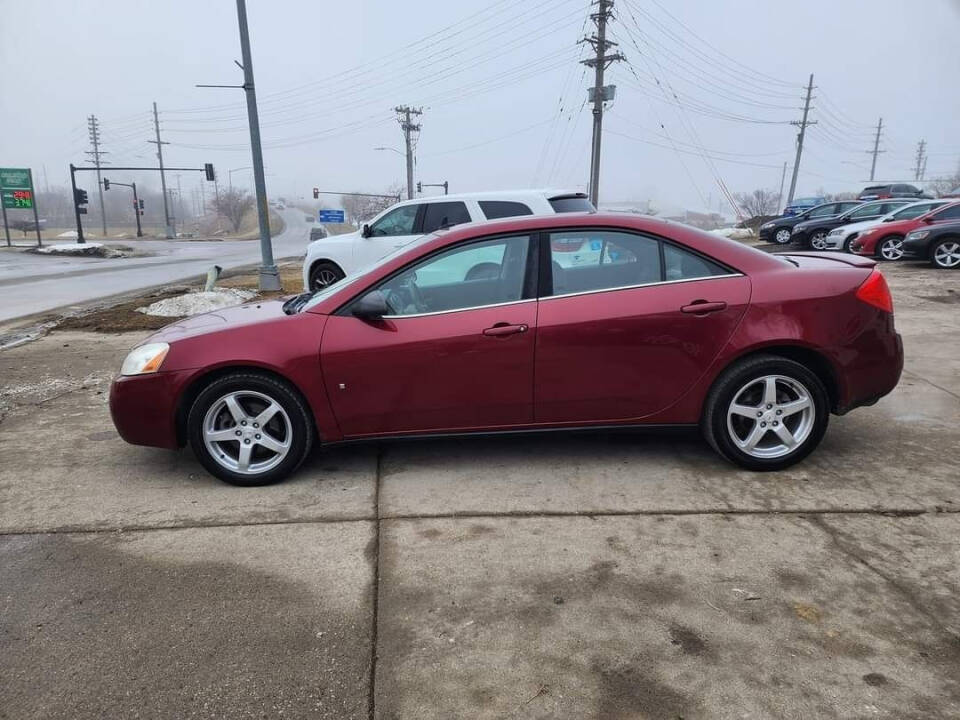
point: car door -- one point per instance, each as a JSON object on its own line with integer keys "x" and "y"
{"x": 626, "y": 336}
{"x": 390, "y": 231}
{"x": 455, "y": 352}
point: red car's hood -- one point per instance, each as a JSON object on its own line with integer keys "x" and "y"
{"x": 228, "y": 318}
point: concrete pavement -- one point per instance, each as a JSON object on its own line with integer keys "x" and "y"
{"x": 31, "y": 284}
{"x": 607, "y": 576}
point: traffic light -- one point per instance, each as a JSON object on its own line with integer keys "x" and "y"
{"x": 419, "y": 187}
{"x": 106, "y": 184}
{"x": 208, "y": 169}
{"x": 141, "y": 204}
{"x": 316, "y": 193}
{"x": 80, "y": 196}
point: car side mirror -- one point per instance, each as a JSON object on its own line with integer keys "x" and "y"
{"x": 929, "y": 220}
{"x": 371, "y": 306}
{"x": 365, "y": 232}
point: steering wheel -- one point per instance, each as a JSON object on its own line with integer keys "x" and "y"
{"x": 406, "y": 296}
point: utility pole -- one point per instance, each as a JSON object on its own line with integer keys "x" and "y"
{"x": 802, "y": 124}
{"x": 599, "y": 93}
{"x": 163, "y": 177}
{"x": 94, "y": 131}
{"x": 404, "y": 114}
{"x": 180, "y": 212}
{"x": 783, "y": 176}
{"x": 876, "y": 149}
{"x": 921, "y": 160}
{"x": 269, "y": 276}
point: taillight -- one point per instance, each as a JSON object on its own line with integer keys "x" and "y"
{"x": 874, "y": 291}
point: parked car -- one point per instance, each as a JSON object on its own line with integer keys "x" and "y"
{"x": 329, "y": 261}
{"x": 886, "y": 241}
{"x": 940, "y": 244}
{"x": 891, "y": 190}
{"x": 780, "y": 229}
{"x": 955, "y": 193}
{"x": 670, "y": 326}
{"x": 841, "y": 237}
{"x": 813, "y": 233}
{"x": 801, "y": 204}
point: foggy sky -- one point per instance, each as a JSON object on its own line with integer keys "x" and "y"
{"x": 501, "y": 89}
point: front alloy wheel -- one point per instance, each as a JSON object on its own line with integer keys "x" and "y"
{"x": 249, "y": 429}
{"x": 946, "y": 254}
{"x": 818, "y": 241}
{"x": 891, "y": 248}
{"x": 324, "y": 275}
{"x": 782, "y": 236}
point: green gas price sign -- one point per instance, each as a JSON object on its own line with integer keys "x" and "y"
{"x": 16, "y": 187}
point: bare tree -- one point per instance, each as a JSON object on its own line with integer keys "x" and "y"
{"x": 233, "y": 204}
{"x": 940, "y": 186}
{"x": 359, "y": 208}
{"x": 759, "y": 203}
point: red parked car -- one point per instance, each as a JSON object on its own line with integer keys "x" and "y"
{"x": 667, "y": 326}
{"x": 885, "y": 241}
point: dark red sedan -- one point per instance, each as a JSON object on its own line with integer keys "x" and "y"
{"x": 499, "y": 327}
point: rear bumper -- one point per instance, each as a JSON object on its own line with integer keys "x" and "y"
{"x": 143, "y": 408}
{"x": 876, "y": 373}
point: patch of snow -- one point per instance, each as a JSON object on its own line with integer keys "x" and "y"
{"x": 734, "y": 233}
{"x": 72, "y": 234}
{"x": 194, "y": 303}
{"x": 89, "y": 249}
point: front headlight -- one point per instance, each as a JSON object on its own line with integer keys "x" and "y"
{"x": 838, "y": 231}
{"x": 145, "y": 359}
{"x": 766, "y": 226}
{"x": 917, "y": 234}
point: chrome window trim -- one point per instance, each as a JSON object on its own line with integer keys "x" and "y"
{"x": 458, "y": 310}
{"x": 565, "y": 295}
{"x": 641, "y": 285}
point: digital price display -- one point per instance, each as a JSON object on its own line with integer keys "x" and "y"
{"x": 22, "y": 199}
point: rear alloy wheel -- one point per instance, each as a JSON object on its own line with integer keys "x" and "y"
{"x": 818, "y": 240}
{"x": 249, "y": 429}
{"x": 324, "y": 274}
{"x": 766, "y": 413}
{"x": 890, "y": 248}
{"x": 782, "y": 236}
{"x": 946, "y": 254}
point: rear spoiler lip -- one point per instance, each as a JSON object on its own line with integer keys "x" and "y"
{"x": 846, "y": 258}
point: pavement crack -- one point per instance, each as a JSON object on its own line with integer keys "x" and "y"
{"x": 372, "y": 706}
{"x": 931, "y": 383}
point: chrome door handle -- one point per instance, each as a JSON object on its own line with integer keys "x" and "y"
{"x": 504, "y": 329}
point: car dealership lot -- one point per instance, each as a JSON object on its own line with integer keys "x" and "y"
{"x": 604, "y": 575}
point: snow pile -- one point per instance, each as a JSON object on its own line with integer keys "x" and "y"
{"x": 194, "y": 303}
{"x": 90, "y": 249}
{"x": 734, "y": 233}
{"x": 71, "y": 234}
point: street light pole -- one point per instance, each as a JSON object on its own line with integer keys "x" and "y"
{"x": 269, "y": 276}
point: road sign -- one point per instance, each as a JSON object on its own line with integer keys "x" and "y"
{"x": 330, "y": 216}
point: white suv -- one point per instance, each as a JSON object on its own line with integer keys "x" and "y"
{"x": 330, "y": 259}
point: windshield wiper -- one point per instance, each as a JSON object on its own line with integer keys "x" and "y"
{"x": 294, "y": 304}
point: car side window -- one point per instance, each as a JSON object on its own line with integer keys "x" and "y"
{"x": 950, "y": 213}
{"x": 825, "y": 211}
{"x": 589, "y": 260}
{"x": 444, "y": 214}
{"x": 868, "y": 211}
{"x": 493, "y": 209}
{"x": 467, "y": 276}
{"x": 396, "y": 222}
{"x": 683, "y": 265}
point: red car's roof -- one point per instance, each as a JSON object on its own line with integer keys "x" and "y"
{"x": 730, "y": 252}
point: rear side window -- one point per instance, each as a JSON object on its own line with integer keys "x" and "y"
{"x": 594, "y": 260}
{"x": 493, "y": 209}
{"x": 571, "y": 203}
{"x": 682, "y": 265}
{"x": 444, "y": 214}
{"x": 824, "y": 211}
{"x": 909, "y": 212}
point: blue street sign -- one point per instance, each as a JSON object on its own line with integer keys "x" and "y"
{"x": 330, "y": 216}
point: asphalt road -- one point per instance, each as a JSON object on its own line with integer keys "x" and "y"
{"x": 31, "y": 284}
{"x": 611, "y": 576}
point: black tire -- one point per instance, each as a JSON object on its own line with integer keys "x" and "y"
{"x": 324, "y": 274}
{"x": 782, "y": 236}
{"x": 951, "y": 242}
{"x": 301, "y": 425}
{"x": 817, "y": 236}
{"x": 878, "y": 252}
{"x": 714, "y": 425}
